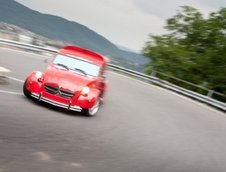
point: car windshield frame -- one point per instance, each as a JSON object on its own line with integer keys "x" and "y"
{"x": 77, "y": 64}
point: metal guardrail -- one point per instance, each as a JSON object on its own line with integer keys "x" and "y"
{"x": 146, "y": 78}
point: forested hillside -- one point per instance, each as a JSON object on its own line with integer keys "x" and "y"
{"x": 54, "y": 27}
{"x": 193, "y": 50}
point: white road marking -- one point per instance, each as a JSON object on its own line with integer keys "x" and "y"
{"x": 77, "y": 165}
{"x": 43, "y": 156}
{"x": 15, "y": 79}
{"x": 10, "y": 92}
{"x": 4, "y": 70}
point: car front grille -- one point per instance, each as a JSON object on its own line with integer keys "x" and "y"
{"x": 51, "y": 89}
{"x": 59, "y": 91}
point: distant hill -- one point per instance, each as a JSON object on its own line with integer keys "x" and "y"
{"x": 58, "y": 28}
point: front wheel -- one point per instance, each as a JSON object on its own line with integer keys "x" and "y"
{"x": 27, "y": 93}
{"x": 92, "y": 111}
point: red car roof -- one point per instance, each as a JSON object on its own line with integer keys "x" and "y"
{"x": 84, "y": 53}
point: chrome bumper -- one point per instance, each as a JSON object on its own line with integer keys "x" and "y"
{"x": 69, "y": 107}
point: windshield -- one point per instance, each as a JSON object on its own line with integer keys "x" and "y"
{"x": 77, "y": 65}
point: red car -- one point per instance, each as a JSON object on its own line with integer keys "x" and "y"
{"x": 74, "y": 80}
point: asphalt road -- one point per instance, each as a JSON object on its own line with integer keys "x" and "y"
{"x": 140, "y": 128}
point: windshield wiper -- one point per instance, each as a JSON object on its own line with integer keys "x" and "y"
{"x": 80, "y": 70}
{"x": 62, "y": 65}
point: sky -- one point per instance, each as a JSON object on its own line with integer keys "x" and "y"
{"x": 123, "y": 22}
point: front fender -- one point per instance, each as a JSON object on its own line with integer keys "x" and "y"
{"x": 90, "y": 100}
{"x": 33, "y": 84}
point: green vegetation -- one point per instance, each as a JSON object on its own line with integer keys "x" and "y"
{"x": 194, "y": 49}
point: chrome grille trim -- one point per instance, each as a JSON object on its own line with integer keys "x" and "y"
{"x": 66, "y": 94}
{"x": 51, "y": 89}
{"x": 59, "y": 91}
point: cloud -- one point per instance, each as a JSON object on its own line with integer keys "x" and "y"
{"x": 214, "y": 4}
{"x": 124, "y": 22}
{"x": 166, "y": 9}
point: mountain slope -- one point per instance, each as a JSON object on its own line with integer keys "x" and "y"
{"x": 54, "y": 27}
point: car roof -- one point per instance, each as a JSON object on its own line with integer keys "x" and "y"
{"x": 83, "y": 53}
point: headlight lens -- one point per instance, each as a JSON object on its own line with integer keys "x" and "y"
{"x": 38, "y": 75}
{"x": 85, "y": 90}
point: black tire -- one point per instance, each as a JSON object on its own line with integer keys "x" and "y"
{"x": 92, "y": 111}
{"x": 27, "y": 93}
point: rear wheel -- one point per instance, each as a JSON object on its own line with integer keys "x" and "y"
{"x": 27, "y": 93}
{"x": 92, "y": 111}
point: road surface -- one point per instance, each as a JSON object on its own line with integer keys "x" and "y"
{"x": 140, "y": 128}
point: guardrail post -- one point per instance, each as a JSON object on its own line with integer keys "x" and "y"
{"x": 210, "y": 93}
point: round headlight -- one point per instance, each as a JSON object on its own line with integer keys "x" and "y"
{"x": 85, "y": 90}
{"x": 38, "y": 74}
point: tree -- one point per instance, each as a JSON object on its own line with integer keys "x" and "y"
{"x": 193, "y": 50}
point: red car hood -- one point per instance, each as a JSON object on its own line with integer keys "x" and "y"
{"x": 65, "y": 79}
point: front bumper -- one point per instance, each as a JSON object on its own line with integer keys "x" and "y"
{"x": 55, "y": 103}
